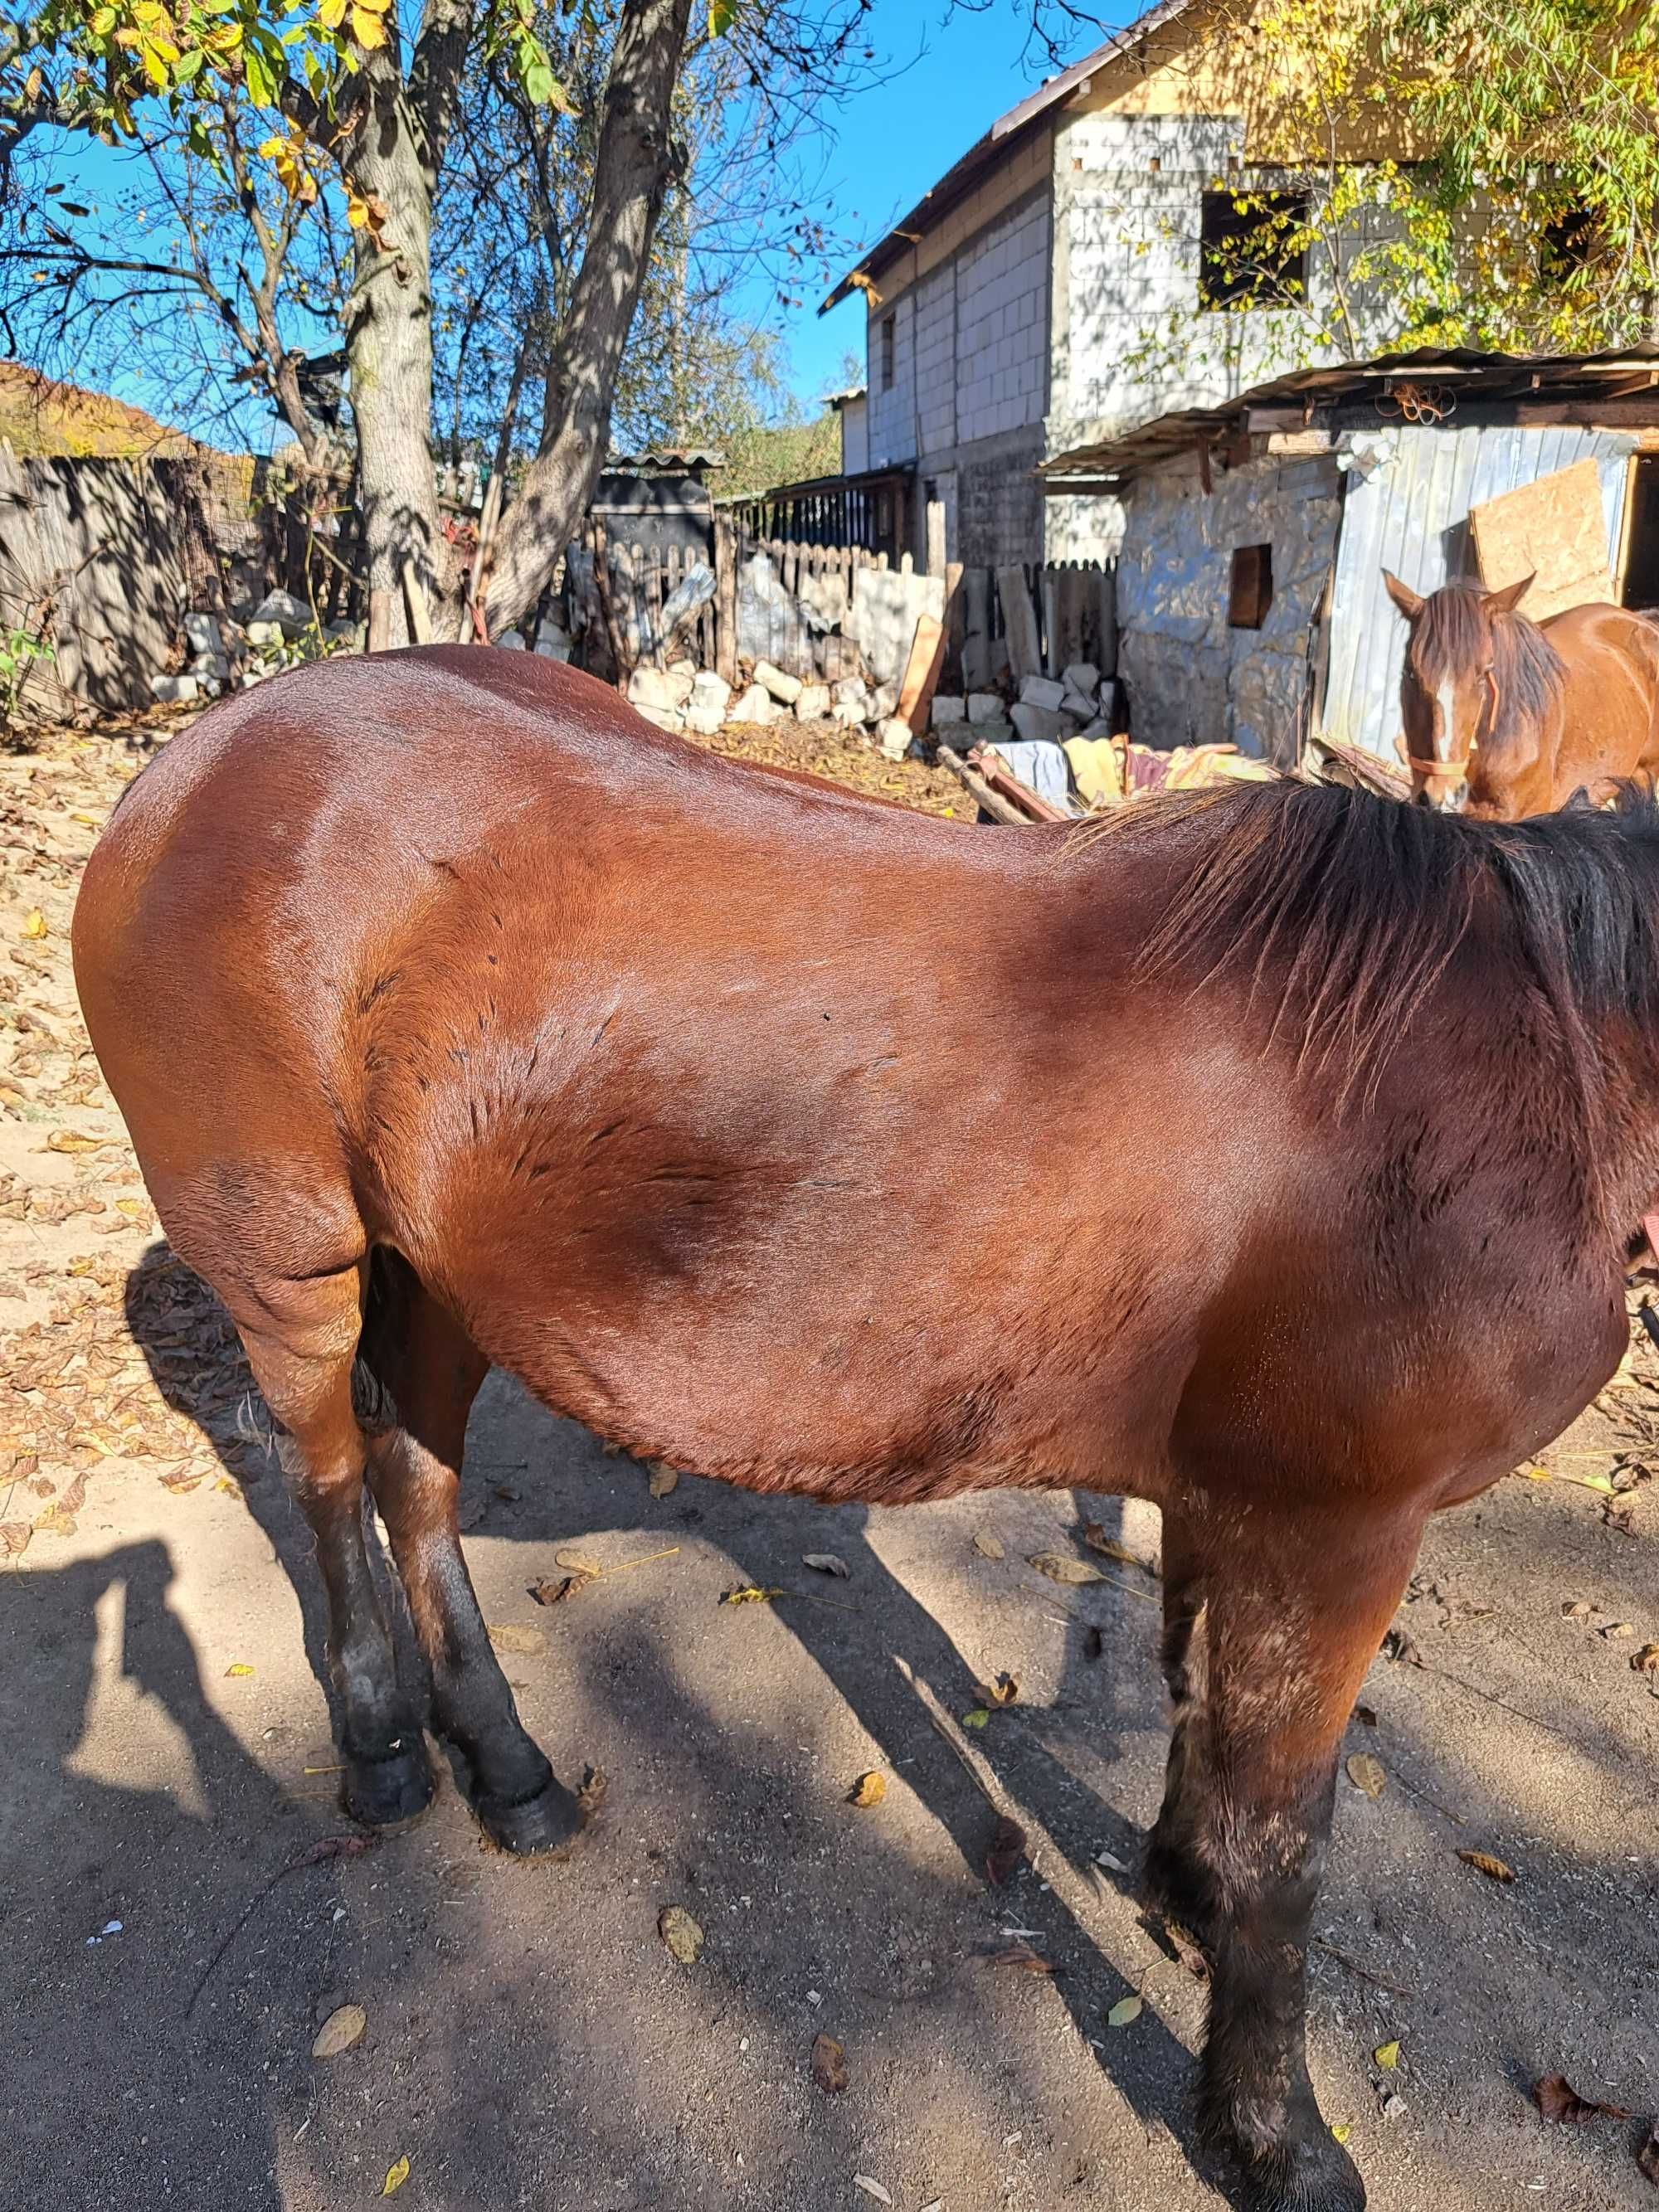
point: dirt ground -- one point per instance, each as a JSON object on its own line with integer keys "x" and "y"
{"x": 176, "y": 1926}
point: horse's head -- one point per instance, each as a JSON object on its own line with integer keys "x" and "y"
{"x": 1450, "y": 694}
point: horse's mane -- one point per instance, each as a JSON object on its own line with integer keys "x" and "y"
{"x": 1344, "y": 910}
{"x": 1448, "y": 634}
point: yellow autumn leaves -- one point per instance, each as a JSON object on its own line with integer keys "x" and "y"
{"x": 367, "y": 26}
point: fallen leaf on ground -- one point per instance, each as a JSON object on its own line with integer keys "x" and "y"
{"x": 1560, "y": 2102}
{"x": 751, "y": 1593}
{"x": 1484, "y": 1862}
{"x": 1646, "y": 1660}
{"x": 1367, "y": 1775}
{"x": 1022, "y": 1957}
{"x": 71, "y": 1140}
{"x": 1340, "y": 2131}
{"x": 395, "y": 2175}
{"x": 34, "y": 924}
{"x": 1401, "y": 1649}
{"x": 681, "y": 1933}
{"x": 343, "y": 2027}
{"x": 988, "y": 1546}
{"x": 1095, "y": 1536}
{"x": 869, "y": 1789}
{"x": 1002, "y": 1691}
{"x": 1123, "y": 2012}
{"x": 15, "y": 1537}
{"x": 1619, "y": 1628}
{"x": 596, "y": 1783}
{"x": 829, "y": 2065}
{"x": 826, "y": 1562}
{"x": 1648, "y": 2157}
{"x": 1007, "y": 1849}
{"x": 1060, "y": 1569}
{"x": 551, "y": 1593}
{"x": 871, "y": 2188}
{"x": 1576, "y": 1609}
{"x": 509, "y": 1636}
{"x": 663, "y": 1478}
{"x": 1386, "y": 2055}
{"x": 977, "y": 1718}
{"x": 237, "y": 1670}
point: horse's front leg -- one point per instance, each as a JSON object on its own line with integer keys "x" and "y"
{"x": 1281, "y": 1621}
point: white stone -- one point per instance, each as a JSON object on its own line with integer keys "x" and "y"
{"x": 1081, "y": 676}
{"x": 681, "y": 682}
{"x": 554, "y": 643}
{"x": 262, "y": 633}
{"x": 784, "y": 689}
{"x": 290, "y": 615}
{"x": 894, "y": 738}
{"x": 1039, "y": 722}
{"x": 849, "y": 691}
{"x": 999, "y": 733}
{"x": 175, "y": 688}
{"x": 1041, "y": 692}
{"x": 754, "y": 705}
{"x": 708, "y": 690}
{"x": 210, "y": 663}
{"x": 986, "y": 707}
{"x": 252, "y": 675}
{"x": 947, "y": 708}
{"x": 682, "y": 667}
{"x": 883, "y": 702}
{"x": 512, "y": 639}
{"x": 705, "y": 718}
{"x": 849, "y": 713}
{"x": 203, "y": 634}
{"x": 813, "y": 704}
{"x": 662, "y": 718}
{"x": 650, "y": 686}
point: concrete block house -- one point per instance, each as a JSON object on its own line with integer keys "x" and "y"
{"x": 1072, "y": 276}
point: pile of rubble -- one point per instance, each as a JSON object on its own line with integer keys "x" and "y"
{"x": 1076, "y": 704}
{"x": 682, "y": 696}
{"x": 227, "y": 650}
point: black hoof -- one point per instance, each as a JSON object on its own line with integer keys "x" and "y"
{"x": 390, "y": 1794}
{"x": 1313, "y": 2175}
{"x": 535, "y": 1826}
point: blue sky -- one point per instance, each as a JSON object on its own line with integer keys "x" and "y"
{"x": 893, "y": 142}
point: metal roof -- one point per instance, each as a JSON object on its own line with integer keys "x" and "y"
{"x": 667, "y": 457}
{"x": 1007, "y": 132}
{"x": 1486, "y": 376}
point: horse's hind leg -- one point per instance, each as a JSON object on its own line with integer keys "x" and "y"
{"x": 432, "y": 1371}
{"x": 1292, "y": 1616}
{"x": 301, "y": 1339}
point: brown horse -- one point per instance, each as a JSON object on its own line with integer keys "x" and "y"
{"x": 1504, "y": 717}
{"x": 458, "y": 1016}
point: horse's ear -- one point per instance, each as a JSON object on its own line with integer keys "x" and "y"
{"x": 1410, "y": 603}
{"x": 1506, "y": 601}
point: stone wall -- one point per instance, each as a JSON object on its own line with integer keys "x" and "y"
{"x": 1190, "y": 678}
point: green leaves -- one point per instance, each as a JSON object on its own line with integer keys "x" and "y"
{"x": 722, "y": 15}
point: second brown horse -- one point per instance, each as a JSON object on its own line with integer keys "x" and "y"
{"x": 1504, "y": 717}
{"x": 458, "y": 1016}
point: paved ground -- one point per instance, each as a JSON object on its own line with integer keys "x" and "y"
{"x": 530, "y": 2040}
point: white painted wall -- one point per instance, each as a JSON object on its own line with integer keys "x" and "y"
{"x": 854, "y": 436}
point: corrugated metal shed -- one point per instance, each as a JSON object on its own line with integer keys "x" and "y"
{"x": 1408, "y": 511}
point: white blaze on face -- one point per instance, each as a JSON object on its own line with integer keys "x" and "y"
{"x": 1445, "y": 697}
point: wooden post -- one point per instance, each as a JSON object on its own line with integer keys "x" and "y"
{"x": 726, "y": 601}
{"x": 380, "y": 618}
{"x": 1019, "y": 621}
{"x": 1107, "y": 582}
{"x": 975, "y": 596}
{"x": 955, "y": 622}
{"x": 935, "y": 536}
{"x": 420, "y": 618}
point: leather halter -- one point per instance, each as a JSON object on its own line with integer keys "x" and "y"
{"x": 1459, "y": 769}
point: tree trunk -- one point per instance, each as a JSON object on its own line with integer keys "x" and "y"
{"x": 635, "y": 163}
{"x": 389, "y": 344}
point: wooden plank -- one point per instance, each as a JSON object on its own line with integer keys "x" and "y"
{"x": 935, "y": 536}
{"x": 725, "y": 600}
{"x": 990, "y": 802}
{"x": 955, "y": 620}
{"x": 1019, "y": 623}
{"x": 1553, "y": 530}
{"x": 922, "y": 672}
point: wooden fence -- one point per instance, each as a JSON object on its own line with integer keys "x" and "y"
{"x": 1025, "y": 619}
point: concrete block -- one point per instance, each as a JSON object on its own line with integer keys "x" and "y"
{"x": 176, "y": 690}
{"x": 1041, "y": 722}
{"x": 883, "y": 702}
{"x": 1041, "y": 692}
{"x": 894, "y": 737}
{"x": 202, "y": 634}
{"x": 290, "y": 615}
{"x": 849, "y": 713}
{"x": 705, "y": 718}
{"x": 511, "y": 639}
{"x": 1081, "y": 676}
{"x": 661, "y": 718}
{"x": 849, "y": 691}
{"x": 813, "y": 704}
{"x": 708, "y": 690}
{"x": 262, "y": 634}
{"x": 948, "y": 709}
{"x": 756, "y": 705}
{"x": 784, "y": 689}
{"x": 654, "y": 687}
{"x": 986, "y": 707}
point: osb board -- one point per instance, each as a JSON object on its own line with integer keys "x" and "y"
{"x": 1553, "y": 530}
